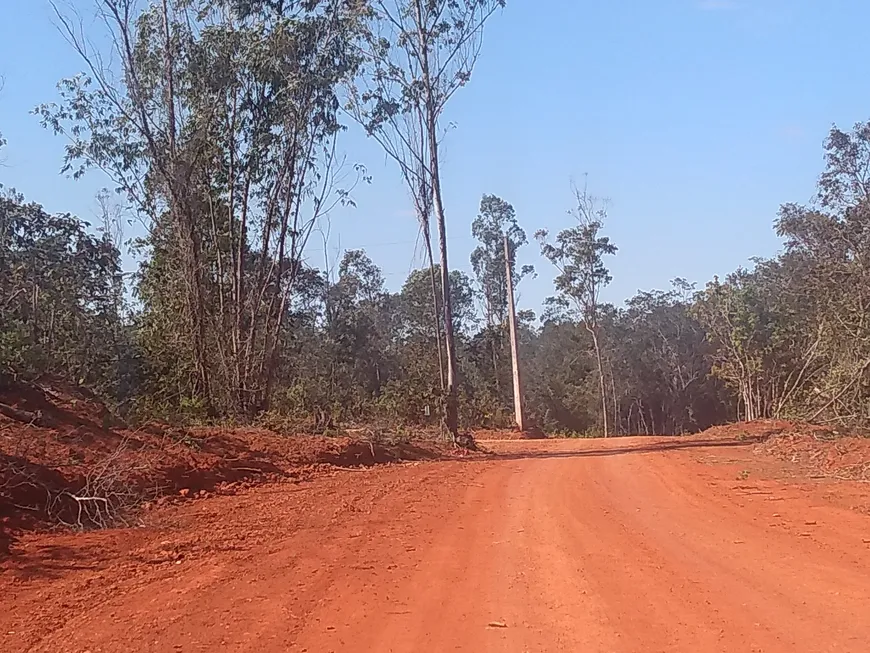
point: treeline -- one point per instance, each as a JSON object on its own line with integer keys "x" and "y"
{"x": 787, "y": 338}
{"x": 349, "y": 350}
{"x": 220, "y": 131}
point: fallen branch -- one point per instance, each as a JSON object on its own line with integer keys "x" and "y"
{"x": 100, "y": 514}
{"x": 24, "y": 416}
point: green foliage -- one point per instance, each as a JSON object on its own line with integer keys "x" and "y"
{"x": 790, "y": 337}
{"x": 660, "y": 362}
{"x": 490, "y": 371}
{"x": 221, "y": 134}
{"x": 416, "y": 56}
{"x": 61, "y": 295}
{"x": 578, "y": 255}
{"x": 495, "y": 221}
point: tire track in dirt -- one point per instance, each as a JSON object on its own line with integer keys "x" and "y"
{"x": 682, "y": 570}
{"x": 492, "y": 580}
{"x": 625, "y": 552}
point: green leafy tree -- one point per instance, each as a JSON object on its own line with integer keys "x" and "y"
{"x": 578, "y": 255}
{"x": 417, "y": 54}
{"x": 61, "y": 299}
{"x": 495, "y": 222}
{"x": 219, "y": 125}
{"x": 416, "y": 384}
{"x": 661, "y": 364}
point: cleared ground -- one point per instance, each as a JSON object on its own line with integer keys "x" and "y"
{"x": 637, "y": 544}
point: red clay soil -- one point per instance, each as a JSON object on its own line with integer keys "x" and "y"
{"x": 823, "y": 453}
{"x": 72, "y": 447}
{"x": 622, "y": 545}
{"x": 815, "y": 451}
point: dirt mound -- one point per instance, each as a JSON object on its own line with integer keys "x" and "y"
{"x": 822, "y": 452}
{"x": 758, "y": 429}
{"x": 817, "y": 450}
{"x": 53, "y": 403}
{"x": 65, "y": 460}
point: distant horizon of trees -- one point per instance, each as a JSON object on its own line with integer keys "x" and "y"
{"x": 787, "y": 338}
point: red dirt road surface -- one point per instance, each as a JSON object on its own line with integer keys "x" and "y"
{"x": 628, "y": 545}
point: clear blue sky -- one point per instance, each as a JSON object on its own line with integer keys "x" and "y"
{"x": 697, "y": 118}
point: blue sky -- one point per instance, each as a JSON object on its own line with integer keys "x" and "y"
{"x": 697, "y": 118}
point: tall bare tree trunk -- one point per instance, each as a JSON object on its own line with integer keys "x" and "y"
{"x": 451, "y": 408}
{"x": 617, "y": 422}
{"x": 427, "y": 234}
{"x": 182, "y": 214}
{"x": 512, "y": 323}
{"x": 601, "y": 385}
{"x": 493, "y": 345}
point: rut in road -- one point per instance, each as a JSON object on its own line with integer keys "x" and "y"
{"x": 564, "y": 546}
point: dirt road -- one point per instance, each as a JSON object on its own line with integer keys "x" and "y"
{"x": 626, "y": 545}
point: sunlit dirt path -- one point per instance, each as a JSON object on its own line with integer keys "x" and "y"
{"x": 621, "y": 545}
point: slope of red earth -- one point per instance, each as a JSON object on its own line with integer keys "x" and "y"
{"x": 60, "y": 445}
{"x": 732, "y": 540}
{"x": 817, "y": 452}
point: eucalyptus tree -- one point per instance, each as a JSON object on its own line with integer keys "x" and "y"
{"x": 218, "y": 122}
{"x": 495, "y": 220}
{"x": 578, "y": 255}
{"x": 495, "y": 224}
{"x": 417, "y": 54}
